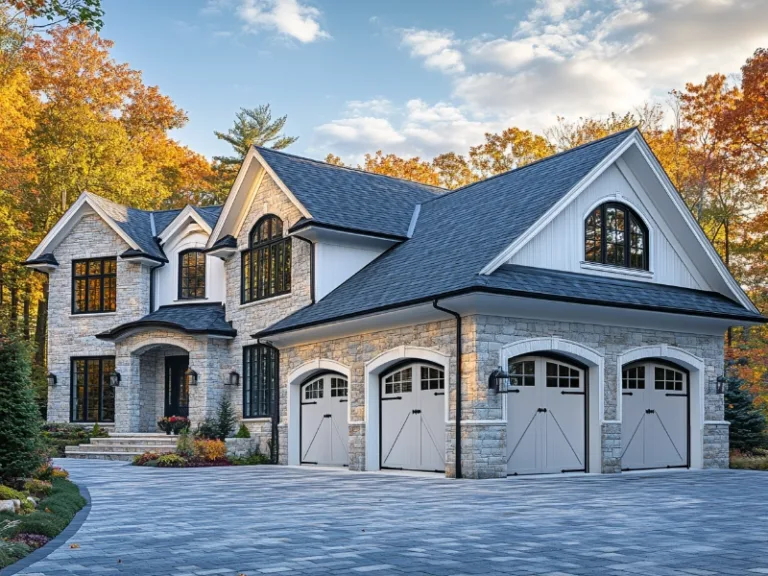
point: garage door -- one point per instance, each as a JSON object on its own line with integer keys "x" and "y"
{"x": 324, "y": 429}
{"x": 654, "y": 427}
{"x": 545, "y": 416}
{"x": 413, "y": 418}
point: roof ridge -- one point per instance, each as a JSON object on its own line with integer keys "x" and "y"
{"x": 539, "y": 161}
{"x": 351, "y": 169}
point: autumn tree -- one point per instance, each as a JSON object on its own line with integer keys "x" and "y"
{"x": 413, "y": 169}
{"x": 508, "y": 150}
{"x": 453, "y": 170}
{"x": 86, "y": 12}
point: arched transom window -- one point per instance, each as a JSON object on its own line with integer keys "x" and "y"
{"x": 615, "y": 235}
{"x": 266, "y": 264}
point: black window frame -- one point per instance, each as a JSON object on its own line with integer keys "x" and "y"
{"x": 252, "y": 279}
{"x": 630, "y": 218}
{"x": 256, "y": 381}
{"x": 87, "y": 277}
{"x": 183, "y": 268}
{"x": 103, "y": 385}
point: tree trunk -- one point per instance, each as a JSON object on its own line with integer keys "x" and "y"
{"x": 25, "y": 313}
{"x": 41, "y": 326}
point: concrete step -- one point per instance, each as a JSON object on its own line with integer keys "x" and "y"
{"x": 158, "y": 441}
{"x": 124, "y": 456}
{"x": 138, "y": 435}
{"x": 122, "y": 448}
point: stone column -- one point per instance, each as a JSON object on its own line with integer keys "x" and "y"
{"x": 127, "y": 395}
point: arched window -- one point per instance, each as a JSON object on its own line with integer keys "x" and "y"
{"x": 191, "y": 274}
{"x": 266, "y": 264}
{"x": 614, "y": 234}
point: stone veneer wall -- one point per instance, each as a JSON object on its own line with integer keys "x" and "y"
{"x": 74, "y": 335}
{"x": 254, "y": 316}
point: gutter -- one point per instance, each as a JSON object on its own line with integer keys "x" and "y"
{"x": 458, "y": 383}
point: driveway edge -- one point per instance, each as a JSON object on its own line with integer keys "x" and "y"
{"x": 56, "y": 543}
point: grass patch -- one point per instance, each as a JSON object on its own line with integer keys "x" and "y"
{"x": 53, "y": 514}
{"x": 749, "y": 462}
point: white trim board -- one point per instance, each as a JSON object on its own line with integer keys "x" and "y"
{"x": 176, "y": 224}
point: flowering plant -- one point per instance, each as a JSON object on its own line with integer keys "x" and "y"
{"x": 173, "y": 424}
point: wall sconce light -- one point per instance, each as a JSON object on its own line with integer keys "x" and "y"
{"x": 51, "y": 379}
{"x": 499, "y": 381}
{"x": 114, "y": 379}
{"x": 234, "y": 378}
{"x": 191, "y": 377}
{"x": 720, "y": 385}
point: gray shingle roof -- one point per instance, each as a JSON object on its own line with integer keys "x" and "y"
{"x": 190, "y": 318}
{"x": 349, "y": 198}
{"x": 209, "y": 213}
{"x": 458, "y": 233}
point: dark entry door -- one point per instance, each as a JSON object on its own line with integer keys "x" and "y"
{"x": 176, "y": 388}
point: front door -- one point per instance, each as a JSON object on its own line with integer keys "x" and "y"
{"x": 176, "y": 388}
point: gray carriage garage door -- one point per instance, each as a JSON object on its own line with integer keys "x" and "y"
{"x": 413, "y": 418}
{"x": 655, "y": 408}
{"x": 324, "y": 422}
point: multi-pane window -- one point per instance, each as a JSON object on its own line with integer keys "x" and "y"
{"x": 260, "y": 377}
{"x": 522, "y": 373}
{"x": 432, "y": 378}
{"x": 94, "y": 285}
{"x": 562, "y": 376}
{"x": 399, "y": 382}
{"x": 668, "y": 379}
{"x": 633, "y": 378}
{"x": 314, "y": 390}
{"x": 339, "y": 388}
{"x": 266, "y": 264}
{"x": 93, "y": 399}
{"x": 191, "y": 274}
{"x": 615, "y": 235}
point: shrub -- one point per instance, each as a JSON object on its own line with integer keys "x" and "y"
{"x": 252, "y": 459}
{"x": 225, "y": 418}
{"x": 53, "y": 513}
{"x": 39, "y": 488}
{"x": 57, "y": 435}
{"x": 208, "y": 429}
{"x": 7, "y": 493}
{"x": 185, "y": 444}
{"x": 20, "y": 445}
{"x": 210, "y": 450}
{"x": 45, "y": 472}
{"x": 173, "y": 423}
{"x": 243, "y": 432}
{"x": 171, "y": 461}
{"x": 10, "y": 552}
{"x": 34, "y": 541}
{"x": 745, "y": 462}
{"x": 145, "y": 459}
{"x": 748, "y": 423}
{"x": 57, "y": 472}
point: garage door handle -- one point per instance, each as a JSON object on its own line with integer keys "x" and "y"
{"x": 415, "y": 411}
{"x": 439, "y": 393}
{"x": 393, "y": 398}
{"x": 342, "y": 401}
{"x": 305, "y": 403}
{"x": 649, "y": 411}
{"x": 678, "y": 394}
{"x": 542, "y": 410}
{"x": 327, "y": 416}
{"x": 573, "y": 392}
{"x": 626, "y": 393}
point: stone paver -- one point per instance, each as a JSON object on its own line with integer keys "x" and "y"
{"x": 289, "y": 521}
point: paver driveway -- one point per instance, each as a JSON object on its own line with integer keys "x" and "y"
{"x": 263, "y": 520}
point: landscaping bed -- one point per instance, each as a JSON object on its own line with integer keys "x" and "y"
{"x": 57, "y": 436}
{"x": 198, "y": 452}
{"x": 755, "y": 460}
{"x": 33, "y": 525}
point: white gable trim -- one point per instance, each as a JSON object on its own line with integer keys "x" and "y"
{"x": 558, "y": 207}
{"x": 177, "y": 223}
{"x": 71, "y": 217}
{"x": 252, "y": 155}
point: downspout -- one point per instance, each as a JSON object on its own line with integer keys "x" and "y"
{"x": 311, "y": 266}
{"x": 458, "y": 383}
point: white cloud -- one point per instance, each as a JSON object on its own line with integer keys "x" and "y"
{"x": 288, "y": 17}
{"x": 437, "y": 49}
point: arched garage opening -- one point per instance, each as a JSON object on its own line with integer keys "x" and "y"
{"x": 661, "y": 407}
{"x": 407, "y": 430}
{"x": 313, "y": 437}
{"x": 554, "y": 412}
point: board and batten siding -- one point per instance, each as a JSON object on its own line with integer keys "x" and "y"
{"x": 560, "y": 245}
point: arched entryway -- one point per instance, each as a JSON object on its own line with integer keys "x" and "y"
{"x": 555, "y": 409}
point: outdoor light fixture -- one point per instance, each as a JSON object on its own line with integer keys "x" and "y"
{"x": 720, "y": 385}
{"x": 499, "y": 381}
{"x": 191, "y": 377}
{"x": 114, "y": 379}
{"x": 51, "y": 379}
{"x": 234, "y": 378}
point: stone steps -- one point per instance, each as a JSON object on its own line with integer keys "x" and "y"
{"x": 123, "y": 446}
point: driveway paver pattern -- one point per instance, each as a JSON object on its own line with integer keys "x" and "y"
{"x": 291, "y": 521}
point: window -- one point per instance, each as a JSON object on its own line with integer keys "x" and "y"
{"x": 633, "y": 378}
{"x": 93, "y": 399}
{"x": 339, "y": 388}
{"x": 523, "y": 373}
{"x": 314, "y": 390}
{"x": 668, "y": 379}
{"x": 432, "y": 378}
{"x": 260, "y": 379}
{"x": 191, "y": 274}
{"x": 562, "y": 376}
{"x": 399, "y": 382}
{"x": 266, "y": 264}
{"x": 94, "y": 285}
{"x": 614, "y": 234}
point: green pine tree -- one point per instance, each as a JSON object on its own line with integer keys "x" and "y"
{"x": 19, "y": 416}
{"x": 253, "y": 127}
{"x": 748, "y": 423}
{"x": 225, "y": 418}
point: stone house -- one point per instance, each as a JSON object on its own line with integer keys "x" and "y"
{"x": 573, "y": 306}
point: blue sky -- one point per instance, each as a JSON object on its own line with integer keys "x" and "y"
{"x": 421, "y": 77}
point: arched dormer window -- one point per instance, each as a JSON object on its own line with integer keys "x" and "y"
{"x": 614, "y": 234}
{"x": 266, "y": 264}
